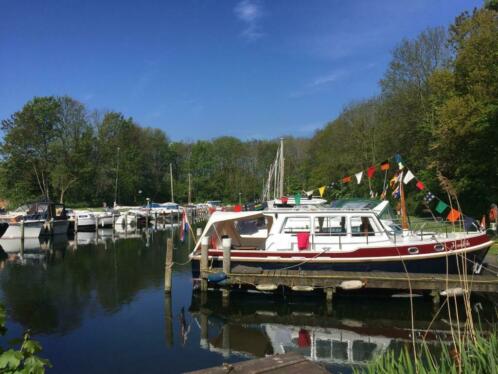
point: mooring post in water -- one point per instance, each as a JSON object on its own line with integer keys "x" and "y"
{"x": 204, "y": 263}
{"x": 22, "y": 237}
{"x": 226, "y": 243}
{"x": 168, "y": 267}
{"x": 198, "y": 232}
{"x": 204, "y": 331}
{"x": 226, "y": 340}
{"x": 96, "y": 223}
{"x": 168, "y": 320}
{"x": 75, "y": 223}
{"x": 52, "y": 226}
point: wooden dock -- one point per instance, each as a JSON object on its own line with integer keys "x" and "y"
{"x": 287, "y": 363}
{"x": 331, "y": 281}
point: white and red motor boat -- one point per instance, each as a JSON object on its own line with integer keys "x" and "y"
{"x": 352, "y": 237}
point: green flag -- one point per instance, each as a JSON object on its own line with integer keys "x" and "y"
{"x": 441, "y": 207}
{"x": 297, "y": 198}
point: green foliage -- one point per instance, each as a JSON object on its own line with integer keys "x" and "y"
{"x": 23, "y": 360}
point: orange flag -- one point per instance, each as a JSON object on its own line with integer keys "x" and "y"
{"x": 453, "y": 215}
{"x": 346, "y": 179}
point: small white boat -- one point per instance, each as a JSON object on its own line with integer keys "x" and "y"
{"x": 107, "y": 218}
{"x": 84, "y": 219}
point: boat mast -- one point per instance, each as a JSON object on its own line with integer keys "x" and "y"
{"x": 171, "y": 181}
{"x": 281, "y": 173}
{"x": 116, "y": 183}
{"x": 189, "y": 190}
{"x": 404, "y": 216}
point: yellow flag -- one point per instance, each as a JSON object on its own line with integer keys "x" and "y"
{"x": 321, "y": 190}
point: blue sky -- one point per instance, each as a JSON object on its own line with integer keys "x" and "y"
{"x": 204, "y": 68}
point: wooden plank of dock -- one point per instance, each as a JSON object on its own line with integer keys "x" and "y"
{"x": 277, "y": 364}
{"x": 371, "y": 280}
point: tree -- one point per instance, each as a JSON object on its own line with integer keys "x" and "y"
{"x": 27, "y": 151}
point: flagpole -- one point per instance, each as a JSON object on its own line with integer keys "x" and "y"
{"x": 404, "y": 217}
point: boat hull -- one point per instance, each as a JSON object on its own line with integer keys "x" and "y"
{"x": 32, "y": 229}
{"x": 450, "y": 261}
{"x": 59, "y": 227}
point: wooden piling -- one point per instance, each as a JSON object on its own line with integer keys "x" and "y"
{"x": 168, "y": 267}
{"x": 226, "y": 244}
{"x": 204, "y": 263}
{"x": 22, "y": 229}
{"x": 329, "y": 294}
{"x": 204, "y": 343}
{"x": 75, "y": 223}
{"x": 168, "y": 320}
{"x": 435, "y": 297}
{"x": 226, "y": 341}
{"x": 96, "y": 223}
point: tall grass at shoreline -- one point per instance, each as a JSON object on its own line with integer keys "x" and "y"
{"x": 479, "y": 355}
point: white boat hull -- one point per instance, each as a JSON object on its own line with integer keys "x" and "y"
{"x": 32, "y": 229}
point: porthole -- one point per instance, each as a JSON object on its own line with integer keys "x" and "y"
{"x": 413, "y": 250}
{"x": 439, "y": 247}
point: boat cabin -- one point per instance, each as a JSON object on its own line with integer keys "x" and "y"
{"x": 331, "y": 229}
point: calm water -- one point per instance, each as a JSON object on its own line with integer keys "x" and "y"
{"x": 96, "y": 303}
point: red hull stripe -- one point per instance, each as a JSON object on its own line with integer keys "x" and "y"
{"x": 371, "y": 252}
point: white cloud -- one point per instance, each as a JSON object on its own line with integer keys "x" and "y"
{"x": 327, "y": 79}
{"x": 250, "y": 13}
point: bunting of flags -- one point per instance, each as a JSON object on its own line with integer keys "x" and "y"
{"x": 403, "y": 175}
{"x": 359, "y": 176}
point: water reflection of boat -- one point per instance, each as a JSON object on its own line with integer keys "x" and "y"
{"x": 16, "y": 245}
{"x": 354, "y": 333}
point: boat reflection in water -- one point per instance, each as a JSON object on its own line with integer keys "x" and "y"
{"x": 352, "y": 334}
{"x": 32, "y": 251}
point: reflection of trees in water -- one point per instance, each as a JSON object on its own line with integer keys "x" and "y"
{"x": 90, "y": 280}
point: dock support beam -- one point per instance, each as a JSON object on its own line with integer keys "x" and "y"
{"x": 204, "y": 263}
{"x": 435, "y": 297}
{"x": 329, "y": 295}
{"x": 168, "y": 267}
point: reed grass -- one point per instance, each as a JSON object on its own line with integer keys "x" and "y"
{"x": 479, "y": 355}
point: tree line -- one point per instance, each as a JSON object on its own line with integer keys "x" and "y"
{"x": 437, "y": 107}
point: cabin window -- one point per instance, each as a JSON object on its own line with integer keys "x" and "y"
{"x": 330, "y": 226}
{"x": 362, "y": 226}
{"x": 250, "y": 226}
{"x": 296, "y": 224}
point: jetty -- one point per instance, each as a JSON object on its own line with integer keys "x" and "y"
{"x": 286, "y": 363}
